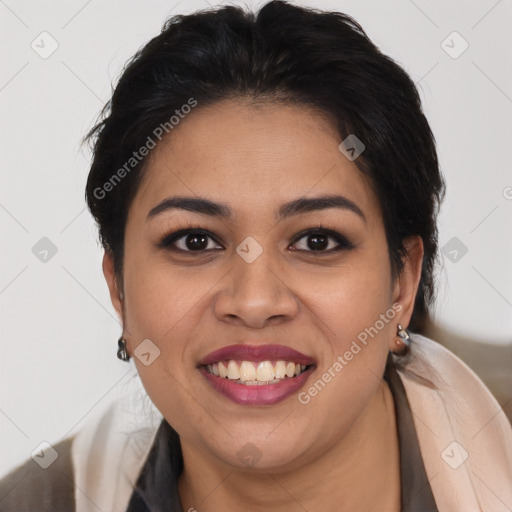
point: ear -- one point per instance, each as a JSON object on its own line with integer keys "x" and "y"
{"x": 116, "y": 295}
{"x": 407, "y": 283}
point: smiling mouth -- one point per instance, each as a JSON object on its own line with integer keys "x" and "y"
{"x": 251, "y": 373}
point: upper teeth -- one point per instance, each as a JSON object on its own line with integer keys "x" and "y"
{"x": 249, "y": 372}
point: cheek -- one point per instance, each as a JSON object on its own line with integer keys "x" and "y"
{"x": 164, "y": 307}
{"x": 351, "y": 299}
{"x": 363, "y": 322}
{"x": 359, "y": 317}
{"x": 161, "y": 303}
{"x": 354, "y": 308}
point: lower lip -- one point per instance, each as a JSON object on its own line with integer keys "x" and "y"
{"x": 264, "y": 394}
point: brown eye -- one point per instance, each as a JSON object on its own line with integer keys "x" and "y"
{"x": 321, "y": 240}
{"x": 190, "y": 241}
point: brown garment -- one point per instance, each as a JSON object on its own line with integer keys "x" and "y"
{"x": 30, "y": 488}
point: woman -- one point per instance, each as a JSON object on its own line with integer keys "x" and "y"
{"x": 266, "y": 189}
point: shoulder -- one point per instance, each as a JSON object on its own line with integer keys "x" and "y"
{"x": 30, "y": 487}
{"x": 434, "y": 370}
{"x": 110, "y": 450}
{"x": 465, "y": 437}
{"x": 440, "y": 369}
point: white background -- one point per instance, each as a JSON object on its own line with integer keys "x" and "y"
{"x": 58, "y": 329}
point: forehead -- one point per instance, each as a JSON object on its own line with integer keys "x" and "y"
{"x": 254, "y": 156}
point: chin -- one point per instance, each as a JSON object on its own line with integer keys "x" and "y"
{"x": 262, "y": 452}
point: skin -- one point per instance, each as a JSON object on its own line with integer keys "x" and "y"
{"x": 339, "y": 451}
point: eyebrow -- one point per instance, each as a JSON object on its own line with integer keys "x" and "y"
{"x": 295, "y": 207}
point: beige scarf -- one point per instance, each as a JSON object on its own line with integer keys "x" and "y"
{"x": 465, "y": 438}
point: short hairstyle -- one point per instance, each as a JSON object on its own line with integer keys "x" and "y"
{"x": 289, "y": 55}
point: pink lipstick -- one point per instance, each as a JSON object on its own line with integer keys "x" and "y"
{"x": 256, "y": 374}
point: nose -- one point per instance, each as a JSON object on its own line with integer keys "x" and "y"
{"x": 255, "y": 294}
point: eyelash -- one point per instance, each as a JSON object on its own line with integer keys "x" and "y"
{"x": 168, "y": 239}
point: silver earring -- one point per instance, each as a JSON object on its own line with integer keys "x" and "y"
{"x": 405, "y": 340}
{"x": 122, "y": 353}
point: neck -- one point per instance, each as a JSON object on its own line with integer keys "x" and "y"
{"x": 360, "y": 472}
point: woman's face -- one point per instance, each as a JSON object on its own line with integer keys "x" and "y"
{"x": 266, "y": 273}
